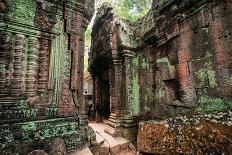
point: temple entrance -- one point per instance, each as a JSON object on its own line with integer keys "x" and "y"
{"x": 105, "y": 95}
{"x": 101, "y": 91}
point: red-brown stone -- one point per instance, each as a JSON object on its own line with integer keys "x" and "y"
{"x": 204, "y": 134}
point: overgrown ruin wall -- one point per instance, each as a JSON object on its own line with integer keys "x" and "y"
{"x": 174, "y": 61}
{"x": 193, "y": 56}
{"x": 192, "y": 72}
{"x": 41, "y": 72}
{"x": 177, "y": 59}
{"x": 136, "y": 77}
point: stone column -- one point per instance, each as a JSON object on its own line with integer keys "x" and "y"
{"x": 17, "y": 80}
{"x": 43, "y": 69}
{"x": 32, "y": 69}
{"x": 118, "y": 70}
{"x": 121, "y": 122}
{"x": 128, "y": 82}
{"x": 112, "y": 83}
{"x": 5, "y": 57}
{"x": 184, "y": 74}
{"x": 80, "y": 72}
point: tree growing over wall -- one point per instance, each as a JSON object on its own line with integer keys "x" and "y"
{"x": 131, "y": 10}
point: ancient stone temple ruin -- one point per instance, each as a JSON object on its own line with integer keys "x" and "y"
{"x": 41, "y": 74}
{"x": 163, "y": 82}
{"x": 175, "y": 61}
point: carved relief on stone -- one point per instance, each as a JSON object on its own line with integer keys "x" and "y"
{"x": 128, "y": 85}
{"x": 32, "y": 66}
{"x": 6, "y": 49}
{"x": 45, "y": 17}
{"x": 43, "y": 65}
{"x": 112, "y": 89}
{"x": 17, "y": 80}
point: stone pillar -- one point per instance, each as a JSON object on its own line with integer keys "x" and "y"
{"x": 5, "y": 57}
{"x": 121, "y": 122}
{"x": 112, "y": 83}
{"x": 43, "y": 69}
{"x": 17, "y": 80}
{"x": 118, "y": 70}
{"x": 128, "y": 83}
{"x": 80, "y": 73}
{"x": 32, "y": 69}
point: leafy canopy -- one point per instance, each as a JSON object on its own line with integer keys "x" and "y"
{"x": 131, "y": 10}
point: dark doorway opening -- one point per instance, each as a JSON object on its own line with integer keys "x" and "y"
{"x": 105, "y": 104}
{"x": 173, "y": 90}
{"x": 105, "y": 95}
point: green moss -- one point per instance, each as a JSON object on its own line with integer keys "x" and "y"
{"x": 209, "y": 104}
{"x": 23, "y": 11}
{"x": 207, "y": 76}
{"x": 167, "y": 62}
{"x": 60, "y": 53}
{"x": 160, "y": 94}
{"x": 28, "y": 127}
{"x": 58, "y": 27}
{"x": 230, "y": 81}
{"x": 135, "y": 86}
{"x": 135, "y": 62}
{"x": 145, "y": 64}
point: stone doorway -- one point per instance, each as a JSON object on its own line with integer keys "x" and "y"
{"x": 101, "y": 90}
{"x": 104, "y": 106}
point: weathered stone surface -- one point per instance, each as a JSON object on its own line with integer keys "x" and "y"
{"x": 58, "y": 147}
{"x": 198, "y": 134}
{"x": 38, "y": 152}
{"x": 174, "y": 61}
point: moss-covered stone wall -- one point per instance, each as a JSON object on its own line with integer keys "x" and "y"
{"x": 41, "y": 73}
{"x": 181, "y": 59}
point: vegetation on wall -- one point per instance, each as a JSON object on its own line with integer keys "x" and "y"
{"x": 131, "y": 10}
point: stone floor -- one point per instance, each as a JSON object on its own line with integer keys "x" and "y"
{"x": 85, "y": 151}
{"x": 106, "y": 144}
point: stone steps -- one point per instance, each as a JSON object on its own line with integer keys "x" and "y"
{"x": 106, "y": 144}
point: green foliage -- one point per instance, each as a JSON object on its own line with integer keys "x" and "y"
{"x": 88, "y": 36}
{"x": 209, "y": 104}
{"x": 23, "y": 11}
{"x": 131, "y": 10}
{"x": 29, "y": 126}
{"x": 207, "y": 76}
